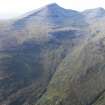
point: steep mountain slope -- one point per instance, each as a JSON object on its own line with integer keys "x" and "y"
{"x": 80, "y": 77}
{"x": 30, "y": 66}
{"x": 53, "y": 56}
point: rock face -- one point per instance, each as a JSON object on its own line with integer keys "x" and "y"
{"x": 53, "y": 56}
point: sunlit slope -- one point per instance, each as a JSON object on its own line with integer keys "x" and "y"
{"x": 80, "y": 78}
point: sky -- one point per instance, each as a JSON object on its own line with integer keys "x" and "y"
{"x": 14, "y": 8}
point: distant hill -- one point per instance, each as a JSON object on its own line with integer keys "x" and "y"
{"x": 94, "y": 14}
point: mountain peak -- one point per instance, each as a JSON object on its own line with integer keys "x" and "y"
{"x": 50, "y": 14}
{"x": 53, "y": 6}
{"x": 94, "y": 13}
{"x": 100, "y": 8}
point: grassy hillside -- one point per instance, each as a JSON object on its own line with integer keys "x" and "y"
{"x": 27, "y": 68}
{"x": 79, "y": 79}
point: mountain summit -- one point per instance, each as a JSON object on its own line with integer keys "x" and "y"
{"x": 94, "y": 13}
{"x": 51, "y": 15}
{"x": 53, "y": 5}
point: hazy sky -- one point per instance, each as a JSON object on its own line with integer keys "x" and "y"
{"x": 14, "y": 8}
